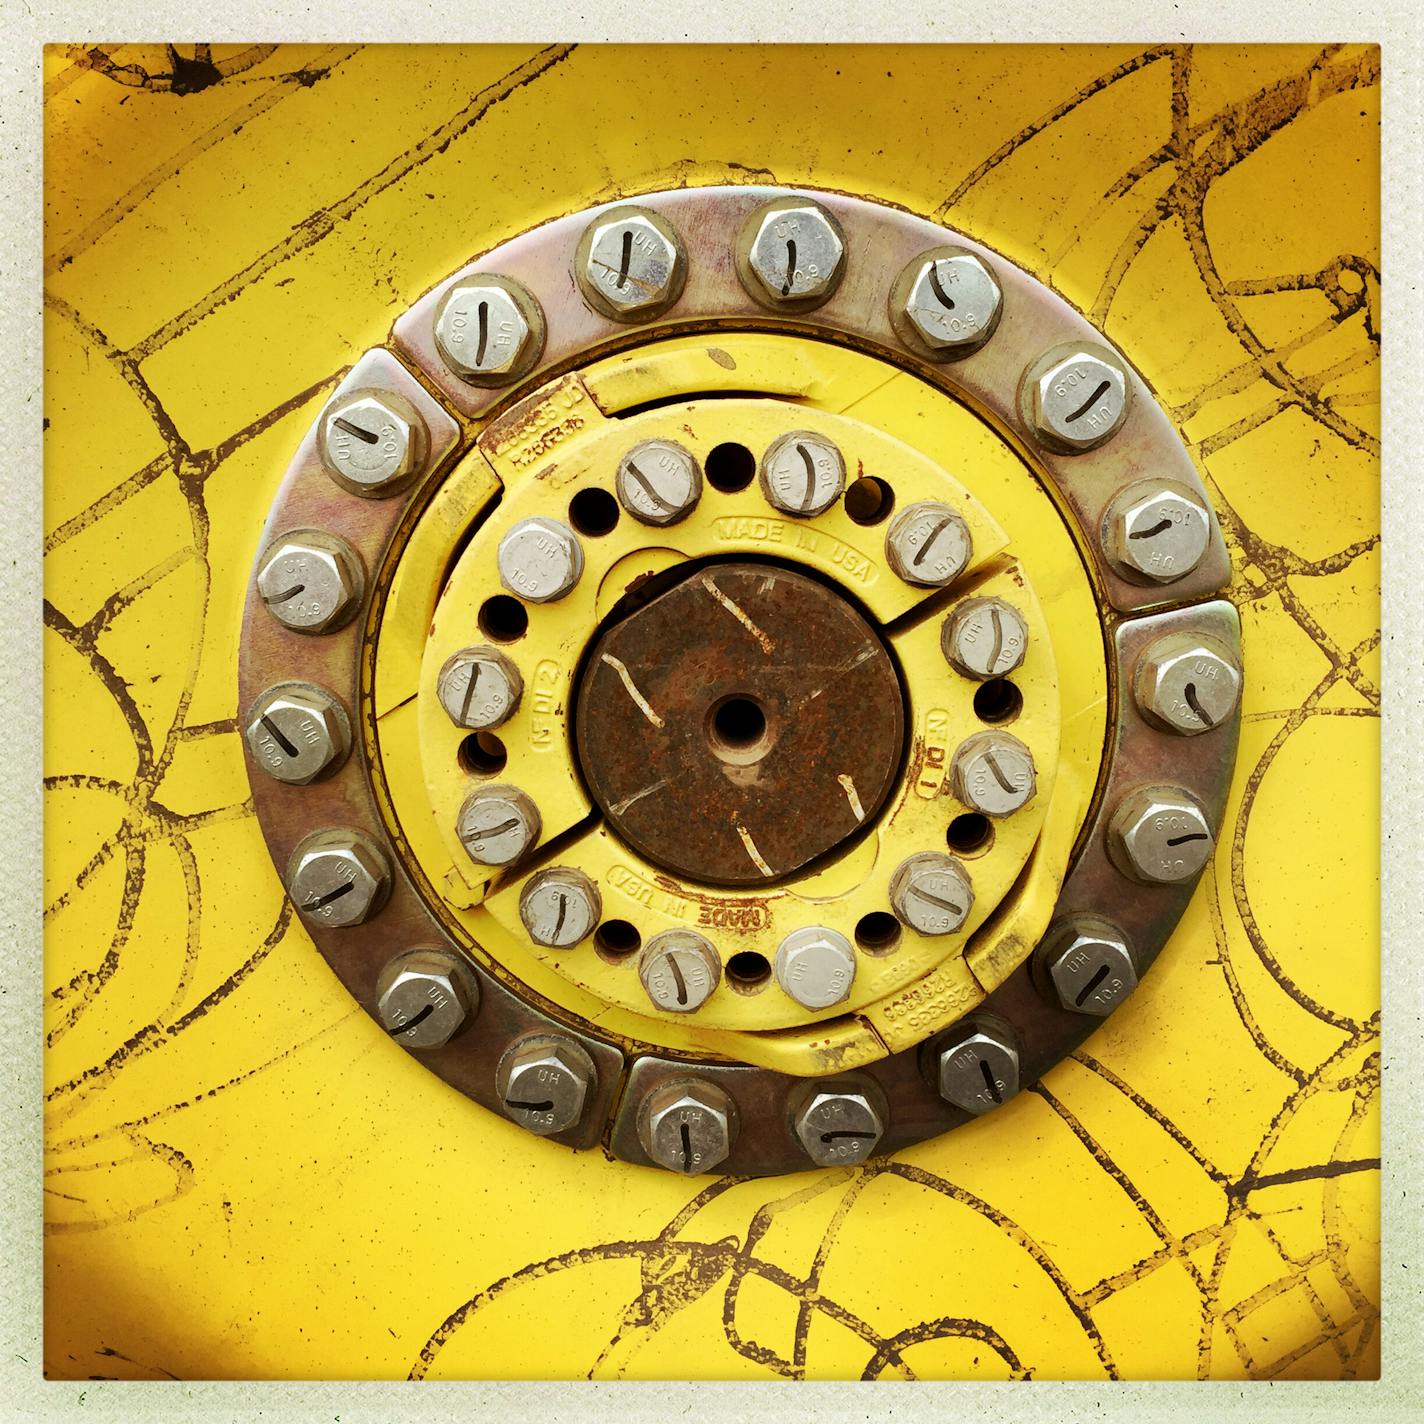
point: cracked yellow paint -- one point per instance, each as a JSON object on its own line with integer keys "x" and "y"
{"x": 244, "y": 1177}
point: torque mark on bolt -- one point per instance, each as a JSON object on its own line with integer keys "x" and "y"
{"x": 1087, "y": 404}
{"x": 989, "y": 1082}
{"x": 469, "y": 692}
{"x": 530, "y": 1107}
{"x": 686, "y": 1148}
{"x": 790, "y": 267}
{"x": 647, "y": 487}
{"x": 1190, "y": 696}
{"x": 936, "y": 900}
{"x": 945, "y": 299}
{"x": 511, "y": 824}
{"x": 286, "y": 593}
{"x": 999, "y": 772}
{"x": 563, "y": 910}
{"x": 1091, "y": 985}
{"x": 627, "y": 258}
{"x": 342, "y": 423}
{"x": 275, "y": 733}
{"x": 810, "y": 464}
{"x": 484, "y": 334}
{"x": 419, "y": 1019}
{"x": 678, "y": 979}
{"x": 932, "y": 536}
{"x": 1153, "y": 532}
{"x": 838, "y": 1136}
{"x": 1182, "y": 840}
{"x": 325, "y": 900}
{"x": 996, "y": 618}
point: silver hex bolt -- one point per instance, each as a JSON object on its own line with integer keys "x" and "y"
{"x": 928, "y": 544}
{"x": 630, "y": 264}
{"x": 815, "y": 966}
{"x": 984, "y": 638}
{"x": 490, "y": 330}
{"x": 1089, "y": 965}
{"x": 540, "y": 560}
{"x": 977, "y": 1066}
{"x": 1075, "y": 397}
{"x": 498, "y": 825}
{"x": 946, "y": 303}
{"x": 543, "y": 1081}
{"x": 791, "y": 253}
{"x": 1187, "y": 683}
{"x": 802, "y": 474}
{"x": 1160, "y": 835}
{"x": 679, "y": 970}
{"x": 659, "y": 482}
{"x": 994, "y": 773}
{"x": 1155, "y": 531}
{"x": 560, "y": 906}
{"x": 372, "y": 442}
{"x": 688, "y": 1125}
{"x": 931, "y": 893}
{"x": 479, "y": 688}
{"x": 338, "y": 878}
{"x": 424, "y": 997}
{"x": 310, "y": 581}
{"x": 839, "y": 1124}
{"x": 298, "y": 732}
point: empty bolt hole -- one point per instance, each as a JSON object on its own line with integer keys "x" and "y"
{"x": 730, "y": 467}
{"x": 738, "y": 724}
{"x": 877, "y": 932}
{"x": 503, "y": 619}
{"x": 869, "y": 500}
{"x": 615, "y": 940}
{"x": 593, "y": 512}
{"x": 748, "y": 972}
{"x": 998, "y": 700}
{"x": 483, "y": 754}
{"x": 970, "y": 833}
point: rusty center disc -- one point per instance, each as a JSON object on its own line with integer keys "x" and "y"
{"x": 740, "y": 725}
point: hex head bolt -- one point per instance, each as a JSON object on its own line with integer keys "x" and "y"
{"x": 540, "y": 560}
{"x": 928, "y": 545}
{"x": 543, "y": 1081}
{"x": 839, "y": 1124}
{"x": 630, "y": 264}
{"x": 815, "y": 966}
{"x": 679, "y": 970}
{"x": 424, "y": 997}
{"x": 1075, "y": 397}
{"x": 1088, "y": 964}
{"x": 945, "y": 304}
{"x": 1160, "y": 835}
{"x": 802, "y": 474}
{"x": 489, "y": 330}
{"x": 931, "y": 893}
{"x": 1187, "y": 683}
{"x": 1155, "y": 531}
{"x": 338, "y": 878}
{"x": 659, "y": 482}
{"x": 977, "y": 1066}
{"x": 372, "y": 442}
{"x": 310, "y": 581}
{"x": 498, "y": 825}
{"x": 984, "y": 638}
{"x": 993, "y": 773}
{"x": 298, "y": 732}
{"x": 479, "y": 688}
{"x": 791, "y": 253}
{"x": 560, "y": 906}
{"x": 688, "y": 1125}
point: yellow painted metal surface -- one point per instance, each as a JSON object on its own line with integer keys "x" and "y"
{"x": 245, "y": 1177}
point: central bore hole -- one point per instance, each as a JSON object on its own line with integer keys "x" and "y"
{"x": 738, "y": 724}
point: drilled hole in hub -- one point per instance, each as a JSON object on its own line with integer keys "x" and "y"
{"x": 737, "y": 729}
{"x": 593, "y": 512}
{"x": 483, "y": 754}
{"x": 998, "y": 701}
{"x": 503, "y": 619}
{"x": 877, "y": 932}
{"x": 869, "y": 500}
{"x": 748, "y": 972}
{"x": 615, "y": 940}
{"x": 970, "y": 834}
{"x": 730, "y": 467}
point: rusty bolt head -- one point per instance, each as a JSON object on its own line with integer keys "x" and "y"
{"x": 931, "y": 893}
{"x": 371, "y": 442}
{"x": 839, "y": 1124}
{"x": 994, "y": 773}
{"x": 946, "y": 303}
{"x": 479, "y": 688}
{"x": 560, "y": 906}
{"x": 543, "y": 1081}
{"x": 1160, "y": 835}
{"x": 424, "y": 997}
{"x": 1156, "y": 531}
{"x": 490, "y": 330}
{"x": 977, "y": 1066}
{"x": 984, "y": 638}
{"x": 1075, "y": 397}
{"x": 498, "y": 825}
{"x": 1187, "y": 683}
{"x": 338, "y": 878}
{"x": 630, "y": 264}
{"x": 310, "y": 581}
{"x": 802, "y": 474}
{"x": 687, "y": 1126}
{"x": 679, "y": 970}
{"x": 928, "y": 544}
{"x": 540, "y": 560}
{"x": 297, "y": 732}
{"x": 1089, "y": 965}
{"x": 815, "y": 966}
{"x": 659, "y": 482}
{"x": 791, "y": 253}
